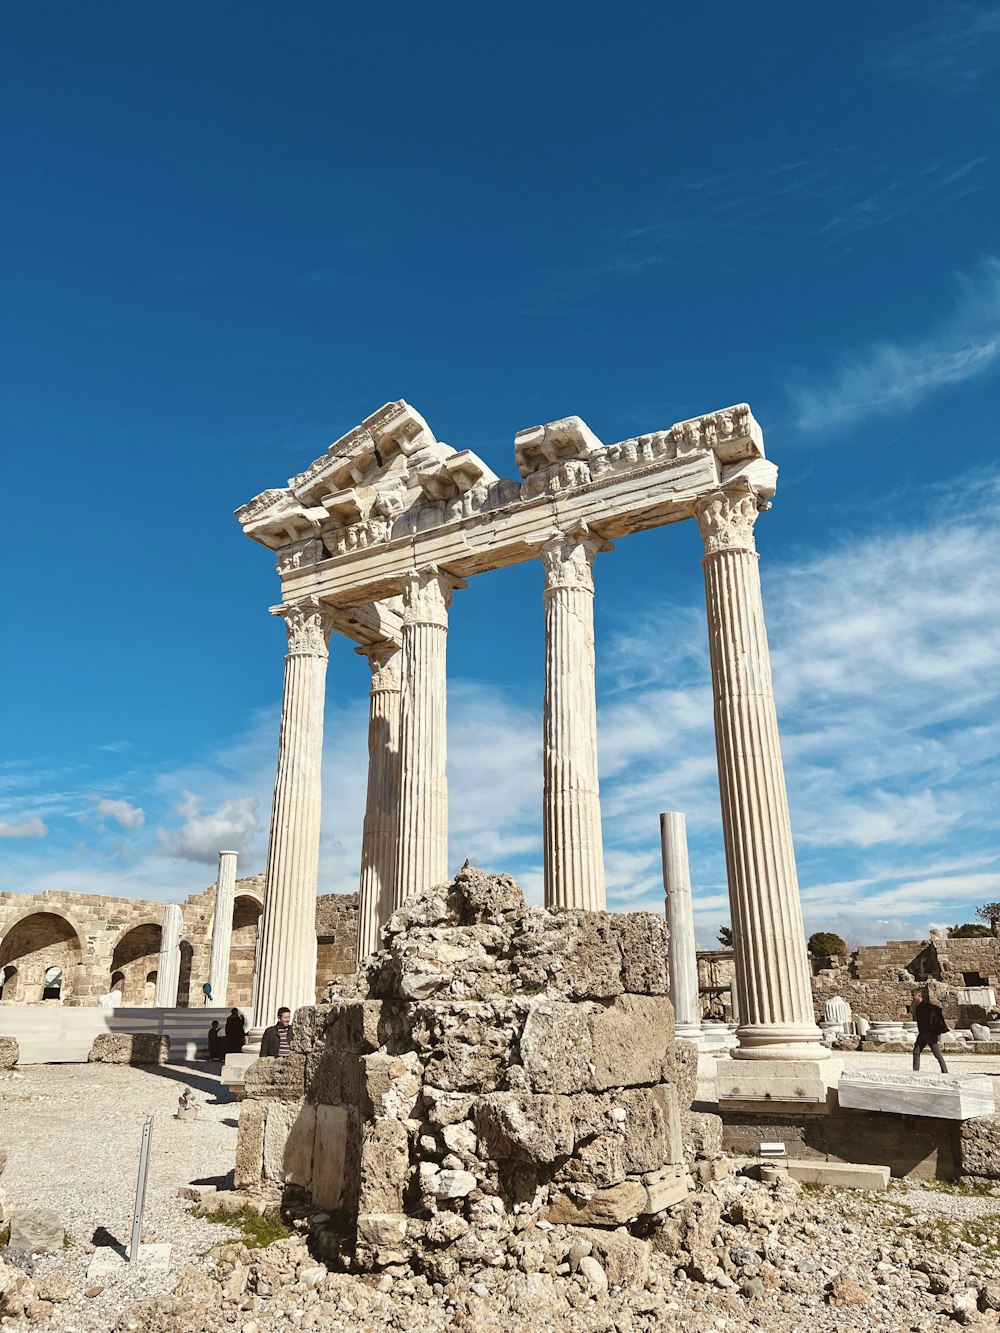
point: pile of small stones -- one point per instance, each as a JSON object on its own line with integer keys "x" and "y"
{"x": 735, "y": 1254}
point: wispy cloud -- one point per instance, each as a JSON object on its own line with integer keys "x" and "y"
{"x": 890, "y": 377}
{"x": 28, "y": 828}
{"x": 230, "y": 826}
{"x": 955, "y": 50}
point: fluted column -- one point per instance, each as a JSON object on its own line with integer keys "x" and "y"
{"x": 222, "y": 927}
{"x": 772, "y": 969}
{"x": 168, "y": 965}
{"x": 681, "y": 956}
{"x": 378, "y": 842}
{"x": 573, "y": 845}
{"x": 422, "y": 840}
{"x": 287, "y": 970}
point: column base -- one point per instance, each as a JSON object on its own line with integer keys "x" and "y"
{"x": 778, "y": 1083}
{"x": 792, "y": 1042}
{"x": 689, "y": 1032}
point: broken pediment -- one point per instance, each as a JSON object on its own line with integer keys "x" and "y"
{"x": 366, "y": 483}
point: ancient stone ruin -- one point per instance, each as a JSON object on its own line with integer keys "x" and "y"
{"x": 502, "y": 1073}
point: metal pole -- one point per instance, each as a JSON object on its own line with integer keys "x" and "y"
{"x": 140, "y": 1189}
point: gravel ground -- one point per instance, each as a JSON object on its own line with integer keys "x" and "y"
{"x": 72, "y": 1134}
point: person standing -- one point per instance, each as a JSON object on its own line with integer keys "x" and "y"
{"x": 216, "y": 1044}
{"x": 277, "y": 1040}
{"x": 236, "y": 1032}
{"x": 931, "y": 1027}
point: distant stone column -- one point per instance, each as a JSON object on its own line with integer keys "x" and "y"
{"x": 222, "y": 927}
{"x": 422, "y": 840}
{"x": 168, "y": 965}
{"x": 287, "y": 971}
{"x": 378, "y": 842}
{"x": 571, "y": 824}
{"x": 772, "y": 969}
{"x": 681, "y": 952}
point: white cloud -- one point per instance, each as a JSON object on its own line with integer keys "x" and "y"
{"x": 28, "y": 828}
{"x": 122, "y": 812}
{"x": 889, "y": 377}
{"x": 231, "y": 825}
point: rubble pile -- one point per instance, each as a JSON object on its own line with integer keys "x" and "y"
{"x": 502, "y": 1071}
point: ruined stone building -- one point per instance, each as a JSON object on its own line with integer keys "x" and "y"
{"x": 72, "y": 948}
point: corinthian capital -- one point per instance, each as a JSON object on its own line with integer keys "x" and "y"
{"x": 385, "y": 660}
{"x": 308, "y": 627}
{"x": 726, "y": 519}
{"x": 427, "y": 596}
{"x": 568, "y": 560}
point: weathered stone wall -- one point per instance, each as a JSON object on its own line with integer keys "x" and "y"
{"x": 336, "y": 937}
{"x": 914, "y": 956}
{"x": 97, "y": 941}
{"x": 501, "y": 1066}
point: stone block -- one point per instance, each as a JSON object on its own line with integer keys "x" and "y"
{"x": 574, "y": 953}
{"x": 701, "y": 1132}
{"x": 382, "y": 1230}
{"x": 680, "y": 1067}
{"x": 478, "y": 898}
{"x": 651, "y": 1130}
{"x": 8, "y": 1052}
{"x": 630, "y": 1040}
{"x": 250, "y": 1145}
{"x": 839, "y": 1175}
{"x": 36, "y": 1231}
{"x": 276, "y": 1078}
{"x": 384, "y": 1167}
{"x": 624, "y": 1258}
{"x": 390, "y": 1086}
{"x": 556, "y": 1046}
{"x": 288, "y": 1142}
{"x": 643, "y": 940}
{"x": 524, "y": 1126}
{"x": 130, "y": 1048}
{"x": 308, "y": 1025}
{"x": 665, "y": 1187}
{"x": 779, "y": 1081}
{"x": 979, "y": 1147}
{"x": 599, "y": 1161}
{"x": 330, "y": 1153}
{"x": 940, "y": 1096}
{"x": 334, "y": 1078}
{"x": 603, "y": 1208}
{"x": 354, "y": 1026}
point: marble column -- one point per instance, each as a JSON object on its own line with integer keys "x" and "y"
{"x": 681, "y": 956}
{"x": 422, "y": 836}
{"x": 168, "y": 965}
{"x": 772, "y": 968}
{"x": 571, "y": 820}
{"x": 222, "y": 928}
{"x": 378, "y": 842}
{"x": 287, "y": 971}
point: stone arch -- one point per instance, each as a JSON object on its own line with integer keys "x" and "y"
{"x": 135, "y": 956}
{"x": 247, "y": 909}
{"x": 35, "y": 942}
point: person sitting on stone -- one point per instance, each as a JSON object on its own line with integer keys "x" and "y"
{"x": 277, "y": 1040}
{"x": 216, "y": 1043}
{"x": 236, "y": 1032}
{"x": 931, "y": 1027}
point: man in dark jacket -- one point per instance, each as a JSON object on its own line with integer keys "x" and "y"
{"x": 277, "y": 1040}
{"x": 931, "y": 1027}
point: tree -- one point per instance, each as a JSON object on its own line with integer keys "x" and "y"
{"x": 824, "y": 943}
{"x": 725, "y": 936}
{"x": 970, "y": 931}
{"x": 989, "y": 912}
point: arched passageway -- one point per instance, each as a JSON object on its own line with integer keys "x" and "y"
{"x": 35, "y": 947}
{"x": 135, "y": 957}
{"x": 246, "y": 923}
{"x": 8, "y": 985}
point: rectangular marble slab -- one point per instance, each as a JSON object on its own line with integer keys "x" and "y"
{"x": 942, "y": 1096}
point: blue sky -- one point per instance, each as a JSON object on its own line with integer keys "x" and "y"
{"x": 231, "y": 232}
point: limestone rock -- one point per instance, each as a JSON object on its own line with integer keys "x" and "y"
{"x": 608, "y": 1207}
{"x": 128, "y": 1048}
{"x": 631, "y": 1040}
{"x": 643, "y": 940}
{"x": 36, "y": 1231}
{"x": 56, "y": 1286}
{"x": 530, "y": 1127}
{"x": 624, "y": 1258}
{"x": 9, "y": 1052}
{"x": 556, "y": 1046}
{"x": 478, "y": 898}
{"x": 276, "y": 1077}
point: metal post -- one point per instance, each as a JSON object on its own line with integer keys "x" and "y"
{"x": 140, "y": 1189}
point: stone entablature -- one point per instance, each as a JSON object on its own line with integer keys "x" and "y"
{"x": 94, "y": 938}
